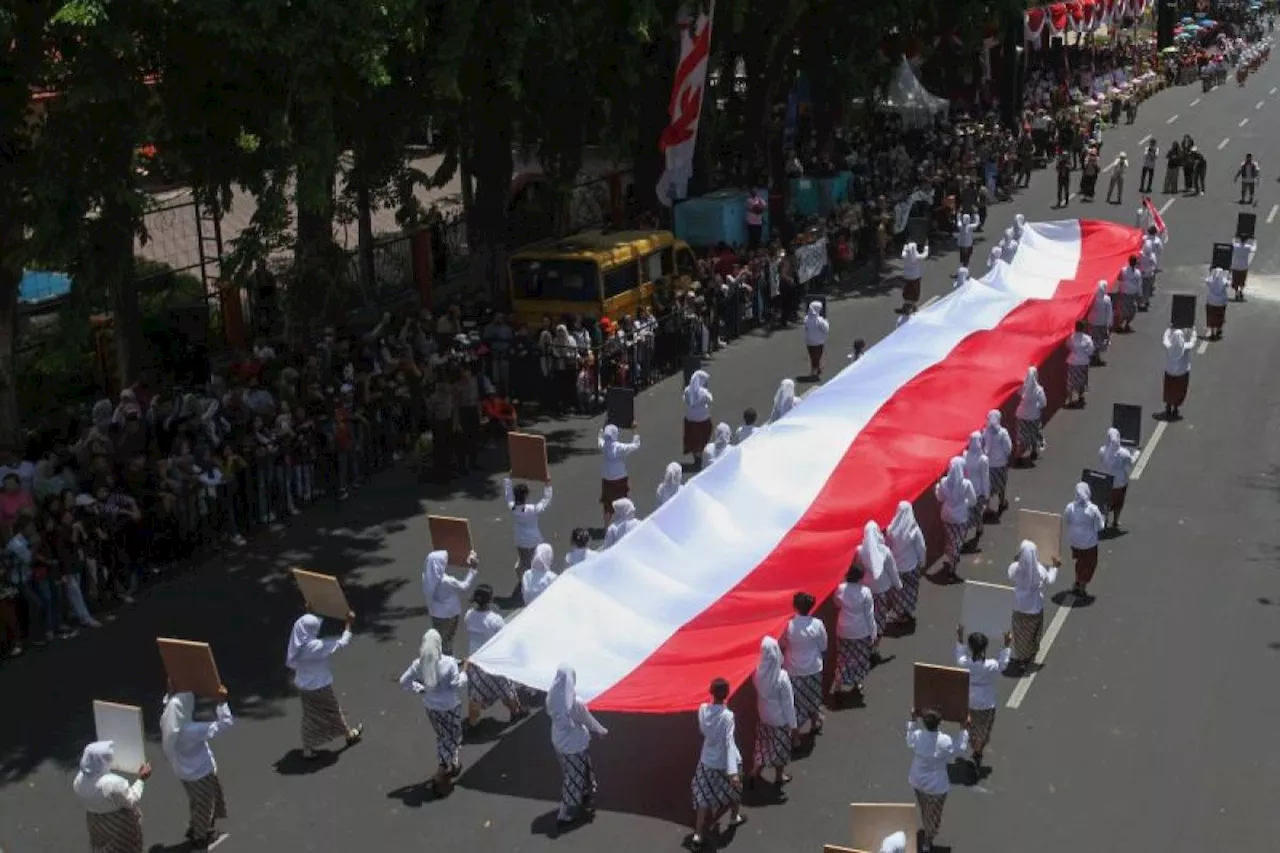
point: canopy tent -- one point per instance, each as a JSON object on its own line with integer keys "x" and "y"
{"x": 911, "y": 100}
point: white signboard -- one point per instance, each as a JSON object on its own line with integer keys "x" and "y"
{"x": 121, "y": 724}
{"x": 987, "y": 609}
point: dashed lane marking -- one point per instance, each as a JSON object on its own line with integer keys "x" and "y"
{"x": 1150, "y": 449}
{"x": 1196, "y": 101}
{"x": 1224, "y": 143}
{"x": 1258, "y": 105}
{"x": 1203, "y": 348}
{"x": 1055, "y": 627}
{"x": 1172, "y": 119}
{"x": 1244, "y": 121}
{"x": 1168, "y": 204}
{"x": 1271, "y": 216}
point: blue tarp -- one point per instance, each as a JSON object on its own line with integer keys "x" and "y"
{"x": 42, "y": 286}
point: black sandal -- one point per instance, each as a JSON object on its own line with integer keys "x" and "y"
{"x": 354, "y": 736}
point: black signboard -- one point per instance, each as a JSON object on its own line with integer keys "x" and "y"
{"x": 1127, "y": 419}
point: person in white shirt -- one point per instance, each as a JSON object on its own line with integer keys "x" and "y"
{"x": 186, "y": 745}
{"x": 805, "y": 643}
{"x": 994, "y": 257}
{"x": 524, "y": 516}
{"x": 910, "y": 555}
{"x": 624, "y": 521}
{"x": 1215, "y": 302}
{"x": 931, "y": 751}
{"x": 581, "y": 550}
{"x": 1101, "y": 319}
{"x": 784, "y": 399}
{"x": 856, "y": 633}
{"x": 1148, "y": 260}
{"x": 816, "y": 329}
{"x": 998, "y": 446}
{"x": 537, "y": 578}
{"x": 718, "y": 447}
{"x": 1031, "y": 406}
{"x": 1242, "y": 252}
{"x": 110, "y": 802}
{"x": 308, "y": 657}
{"x": 697, "y": 415}
{"x": 1080, "y": 349}
{"x": 961, "y": 278}
{"x": 1117, "y": 462}
{"x": 1019, "y": 226}
{"x": 1130, "y": 279}
{"x": 912, "y": 272}
{"x": 880, "y": 574}
{"x": 572, "y": 728}
{"x": 444, "y": 593}
{"x": 483, "y": 623}
{"x": 956, "y": 499}
{"x": 1029, "y": 580}
{"x": 717, "y": 783}
{"x": 971, "y": 654}
{"x": 964, "y": 238}
{"x": 1008, "y": 246}
{"x": 776, "y": 722}
{"x": 672, "y": 481}
{"x": 1083, "y": 522}
{"x": 977, "y": 470}
{"x": 748, "y": 428}
{"x": 436, "y": 677}
{"x": 613, "y": 476}
{"x": 1178, "y": 345}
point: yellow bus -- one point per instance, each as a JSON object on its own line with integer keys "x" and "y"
{"x": 597, "y": 273}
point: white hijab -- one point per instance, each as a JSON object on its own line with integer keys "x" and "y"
{"x": 624, "y": 511}
{"x": 672, "y": 480}
{"x": 953, "y": 484}
{"x": 609, "y": 435}
{"x": 563, "y": 695}
{"x": 433, "y": 570}
{"x": 429, "y": 654}
{"x": 1177, "y": 343}
{"x": 303, "y": 638}
{"x": 1083, "y": 495}
{"x": 974, "y": 452}
{"x": 1100, "y": 313}
{"x": 95, "y": 762}
{"x": 815, "y": 309}
{"x": 1027, "y": 572}
{"x": 544, "y": 557}
{"x": 1031, "y": 385}
{"x": 962, "y": 277}
{"x": 178, "y": 709}
{"x": 784, "y": 400}
{"x": 904, "y": 526}
{"x": 1111, "y": 450}
{"x": 994, "y": 256}
{"x": 768, "y": 677}
{"x": 993, "y": 428}
{"x": 873, "y": 551}
{"x": 724, "y": 435}
{"x": 910, "y": 252}
{"x": 1019, "y": 225}
{"x": 697, "y": 385}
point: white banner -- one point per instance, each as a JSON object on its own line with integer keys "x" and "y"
{"x": 811, "y": 260}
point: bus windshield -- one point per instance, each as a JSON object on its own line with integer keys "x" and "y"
{"x": 568, "y": 281}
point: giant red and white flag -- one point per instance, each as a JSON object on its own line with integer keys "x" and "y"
{"x": 678, "y": 141}
{"x": 688, "y": 594}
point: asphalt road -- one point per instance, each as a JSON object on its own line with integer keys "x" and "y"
{"x": 1143, "y": 730}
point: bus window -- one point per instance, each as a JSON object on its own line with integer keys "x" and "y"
{"x": 567, "y": 281}
{"x": 621, "y": 279}
{"x": 654, "y": 268}
{"x": 686, "y": 265}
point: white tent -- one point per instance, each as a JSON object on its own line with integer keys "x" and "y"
{"x": 909, "y": 99}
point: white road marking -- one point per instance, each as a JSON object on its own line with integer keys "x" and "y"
{"x": 1244, "y": 121}
{"x": 1273, "y": 90}
{"x": 1059, "y": 619}
{"x": 1168, "y": 204}
{"x": 1114, "y": 163}
{"x": 1203, "y": 348}
{"x": 1148, "y": 450}
{"x": 221, "y": 838}
{"x": 1143, "y": 140}
{"x": 1224, "y": 143}
{"x": 1258, "y": 105}
{"x": 1172, "y": 119}
{"x": 1272, "y": 215}
{"x": 1196, "y": 101}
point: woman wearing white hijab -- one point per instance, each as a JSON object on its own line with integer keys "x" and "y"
{"x": 856, "y": 633}
{"x": 932, "y": 751}
{"x": 717, "y": 783}
{"x": 964, "y": 238}
{"x": 186, "y": 745}
{"x": 1215, "y": 302}
{"x": 1080, "y": 350}
{"x": 1019, "y": 226}
{"x": 110, "y": 802}
{"x": 672, "y": 481}
{"x": 1083, "y": 522}
{"x": 1029, "y": 580}
{"x": 910, "y": 555}
{"x": 572, "y": 728}
{"x": 539, "y": 577}
{"x": 972, "y": 655}
{"x": 784, "y": 400}
{"x": 483, "y": 623}
{"x": 444, "y": 593}
{"x": 1031, "y": 406}
{"x": 977, "y": 470}
{"x": 912, "y": 272}
{"x": 805, "y": 641}
{"x": 308, "y": 657}
{"x": 998, "y": 446}
{"x": 956, "y": 498}
{"x": 718, "y": 447}
{"x": 437, "y": 678}
{"x": 816, "y": 328}
{"x": 613, "y": 475}
{"x": 624, "y": 521}
{"x": 697, "y": 415}
{"x": 961, "y": 278}
{"x": 994, "y": 257}
{"x": 880, "y": 574}
{"x": 524, "y": 517}
{"x": 1008, "y": 246}
{"x": 1178, "y": 345}
{"x": 1118, "y": 462}
{"x": 775, "y": 716}
{"x": 1101, "y": 319}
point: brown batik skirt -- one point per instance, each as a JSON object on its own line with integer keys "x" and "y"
{"x": 322, "y": 719}
{"x": 1086, "y": 564}
{"x": 1116, "y": 503}
{"x": 931, "y": 806}
{"x": 815, "y": 357}
{"x": 613, "y": 490}
{"x": 207, "y": 802}
{"x": 980, "y": 725}
{"x": 119, "y": 831}
{"x": 1026, "y": 635}
{"x": 697, "y": 435}
{"x": 1215, "y": 316}
{"x": 1175, "y": 389}
{"x": 911, "y": 290}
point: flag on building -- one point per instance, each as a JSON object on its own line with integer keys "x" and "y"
{"x": 678, "y": 141}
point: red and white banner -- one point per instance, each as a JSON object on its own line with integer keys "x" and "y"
{"x": 680, "y": 138}
{"x": 1153, "y": 214}
{"x": 687, "y": 596}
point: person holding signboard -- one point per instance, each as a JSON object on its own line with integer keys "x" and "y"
{"x": 816, "y": 329}
{"x": 308, "y": 657}
{"x": 1101, "y": 317}
{"x": 186, "y": 745}
{"x": 956, "y": 497}
{"x": 1178, "y": 346}
{"x": 971, "y": 654}
{"x": 697, "y": 416}
{"x": 444, "y": 593}
{"x": 964, "y": 238}
{"x": 1117, "y": 462}
{"x": 910, "y": 555}
{"x": 932, "y": 751}
{"x": 1029, "y": 579}
{"x": 483, "y": 623}
{"x": 110, "y": 802}
{"x": 1242, "y": 252}
{"x": 525, "y": 517}
{"x": 1215, "y": 302}
{"x": 613, "y": 474}
{"x": 1031, "y": 405}
{"x": 1083, "y": 522}
{"x": 436, "y": 677}
{"x": 912, "y": 272}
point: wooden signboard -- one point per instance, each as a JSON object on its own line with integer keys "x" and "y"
{"x": 945, "y": 689}
{"x": 1044, "y": 529}
{"x": 323, "y": 594}
{"x": 122, "y": 725}
{"x": 1127, "y": 418}
{"x": 1100, "y": 486}
{"x": 874, "y": 822}
{"x": 528, "y": 454}
{"x": 190, "y": 667}
{"x": 987, "y": 608}
{"x": 452, "y": 535}
{"x": 620, "y": 407}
